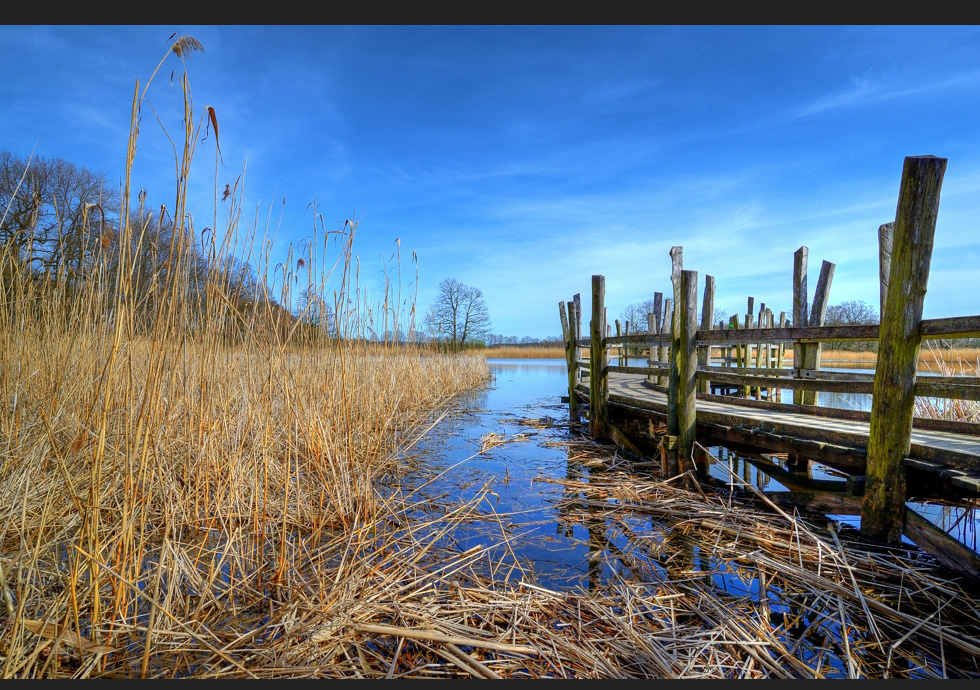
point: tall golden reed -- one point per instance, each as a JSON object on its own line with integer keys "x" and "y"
{"x": 182, "y": 469}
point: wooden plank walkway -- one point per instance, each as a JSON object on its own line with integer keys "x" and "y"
{"x": 838, "y": 442}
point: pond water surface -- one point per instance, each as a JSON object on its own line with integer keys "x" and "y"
{"x": 521, "y": 412}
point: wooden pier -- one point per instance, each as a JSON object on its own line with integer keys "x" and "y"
{"x": 880, "y": 446}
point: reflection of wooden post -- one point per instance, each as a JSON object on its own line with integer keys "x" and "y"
{"x": 684, "y": 368}
{"x": 598, "y": 372}
{"x": 707, "y": 321}
{"x": 818, "y": 311}
{"x": 883, "y": 506}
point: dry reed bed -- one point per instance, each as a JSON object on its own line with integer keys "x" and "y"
{"x": 537, "y": 352}
{"x": 702, "y": 585}
{"x": 959, "y": 361}
{"x": 761, "y": 593}
{"x": 168, "y": 486}
{"x": 177, "y": 506}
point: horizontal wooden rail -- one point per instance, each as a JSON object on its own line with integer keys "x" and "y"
{"x": 949, "y": 387}
{"x": 801, "y": 384}
{"x": 955, "y": 327}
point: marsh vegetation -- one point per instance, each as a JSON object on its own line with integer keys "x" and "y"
{"x": 196, "y": 483}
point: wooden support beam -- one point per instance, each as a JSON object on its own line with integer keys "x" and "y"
{"x": 818, "y": 312}
{"x": 653, "y": 327}
{"x": 676, "y": 268}
{"x": 598, "y": 362}
{"x": 567, "y": 315}
{"x": 665, "y": 329}
{"x": 800, "y": 311}
{"x": 577, "y": 327}
{"x": 886, "y": 234}
{"x": 707, "y": 322}
{"x": 687, "y": 365}
{"x": 889, "y": 442}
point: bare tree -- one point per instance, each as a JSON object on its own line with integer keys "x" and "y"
{"x": 54, "y": 213}
{"x": 636, "y": 314}
{"x": 459, "y": 314}
{"x": 851, "y": 313}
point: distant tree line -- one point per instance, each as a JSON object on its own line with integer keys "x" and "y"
{"x": 63, "y": 224}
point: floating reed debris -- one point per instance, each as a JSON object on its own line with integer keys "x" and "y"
{"x": 767, "y": 594}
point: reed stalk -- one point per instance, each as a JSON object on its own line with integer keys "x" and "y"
{"x": 184, "y": 469}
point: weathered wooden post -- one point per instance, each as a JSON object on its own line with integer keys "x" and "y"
{"x": 707, "y": 322}
{"x": 676, "y": 268}
{"x": 760, "y": 346}
{"x": 687, "y": 367}
{"x": 653, "y": 327}
{"x": 598, "y": 364}
{"x": 665, "y": 327}
{"x": 658, "y": 311}
{"x": 735, "y": 350}
{"x": 780, "y": 354}
{"x": 577, "y": 329}
{"x": 818, "y": 312}
{"x": 619, "y": 351}
{"x": 800, "y": 313}
{"x": 886, "y": 234}
{"x": 883, "y": 506}
{"x": 568, "y": 333}
{"x": 749, "y": 323}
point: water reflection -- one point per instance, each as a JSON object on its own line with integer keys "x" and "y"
{"x": 559, "y": 524}
{"x": 522, "y": 408}
{"x": 516, "y": 481}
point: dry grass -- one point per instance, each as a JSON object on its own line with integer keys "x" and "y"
{"x": 736, "y": 588}
{"x": 186, "y": 483}
{"x": 948, "y": 363}
{"x": 178, "y": 506}
{"x": 537, "y": 352}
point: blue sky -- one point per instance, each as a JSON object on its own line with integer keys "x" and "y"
{"x": 522, "y": 160}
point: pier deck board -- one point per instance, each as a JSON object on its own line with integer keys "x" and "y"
{"x": 936, "y": 450}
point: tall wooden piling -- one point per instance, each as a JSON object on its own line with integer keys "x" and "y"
{"x": 683, "y": 414}
{"x": 883, "y": 506}
{"x": 676, "y": 268}
{"x": 800, "y": 313}
{"x": 707, "y": 321}
{"x": 598, "y": 364}
{"x": 665, "y": 327}
{"x": 568, "y": 333}
{"x": 886, "y": 234}
{"x": 818, "y": 313}
{"x": 653, "y": 327}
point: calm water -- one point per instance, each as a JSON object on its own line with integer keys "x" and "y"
{"x": 517, "y": 514}
{"x": 517, "y": 508}
{"x": 518, "y": 500}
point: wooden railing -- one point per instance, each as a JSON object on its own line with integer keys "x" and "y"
{"x": 678, "y": 347}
